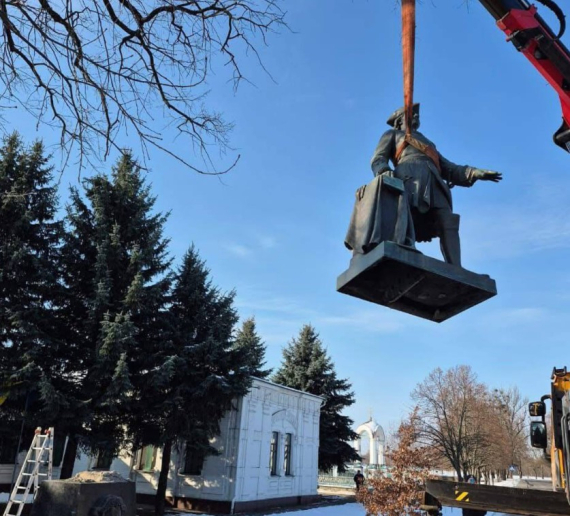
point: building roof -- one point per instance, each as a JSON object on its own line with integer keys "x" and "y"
{"x": 305, "y": 394}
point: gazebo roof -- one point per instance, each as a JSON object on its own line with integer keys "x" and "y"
{"x": 374, "y": 428}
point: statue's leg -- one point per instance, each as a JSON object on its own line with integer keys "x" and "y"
{"x": 404, "y": 232}
{"x": 448, "y": 229}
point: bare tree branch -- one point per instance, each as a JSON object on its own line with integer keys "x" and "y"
{"x": 398, "y": 494}
{"x": 93, "y": 70}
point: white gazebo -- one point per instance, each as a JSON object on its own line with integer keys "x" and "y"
{"x": 375, "y": 434}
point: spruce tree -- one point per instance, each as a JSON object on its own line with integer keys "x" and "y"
{"x": 115, "y": 267}
{"x": 249, "y": 342}
{"x": 199, "y": 372}
{"x": 30, "y": 234}
{"x": 307, "y": 367}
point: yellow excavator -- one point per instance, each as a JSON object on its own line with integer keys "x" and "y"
{"x": 558, "y": 453}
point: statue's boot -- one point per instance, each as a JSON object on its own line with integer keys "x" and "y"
{"x": 449, "y": 239}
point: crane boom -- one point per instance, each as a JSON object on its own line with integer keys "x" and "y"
{"x": 532, "y": 36}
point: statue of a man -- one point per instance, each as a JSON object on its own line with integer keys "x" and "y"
{"x": 427, "y": 178}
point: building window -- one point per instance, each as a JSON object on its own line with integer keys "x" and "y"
{"x": 147, "y": 458}
{"x": 104, "y": 459}
{"x": 193, "y": 461}
{"x": 273, "y": 453}
{"x": 288, "y": 447}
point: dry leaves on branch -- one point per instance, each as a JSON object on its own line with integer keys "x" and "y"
{"x": 400, "y": 492}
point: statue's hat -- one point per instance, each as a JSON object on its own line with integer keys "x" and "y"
{"x": 400, "y": 112}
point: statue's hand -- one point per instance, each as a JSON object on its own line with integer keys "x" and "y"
{"x": 360, "y": 193}
{"x": 487, "y": 175}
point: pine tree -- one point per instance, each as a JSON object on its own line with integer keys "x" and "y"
{"x": 307, "y": 367}
{"x": 200, "y": 372}
{"x": 30, "y": 235}
{"x": 115, "y": 267}
{"x": 249, "y": 342}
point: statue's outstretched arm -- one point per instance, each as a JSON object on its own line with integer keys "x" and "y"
{"x": 481, "y": 174}
{"x": 464, "y": 175}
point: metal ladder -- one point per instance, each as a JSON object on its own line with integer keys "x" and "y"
{"x": 40, "y": 454}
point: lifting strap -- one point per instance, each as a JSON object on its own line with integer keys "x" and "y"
{"x": 428, "y": 150}
{"x": 408, "y": 55}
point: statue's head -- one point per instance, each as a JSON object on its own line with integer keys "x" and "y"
{"x": 398, "y": 121}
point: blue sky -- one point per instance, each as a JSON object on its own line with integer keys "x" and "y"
{"x": 273, "y": 228}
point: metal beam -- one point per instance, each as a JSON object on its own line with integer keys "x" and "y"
{"x": 530, "y": 502}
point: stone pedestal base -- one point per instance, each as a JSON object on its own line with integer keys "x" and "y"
{"x": 403, "y": 279}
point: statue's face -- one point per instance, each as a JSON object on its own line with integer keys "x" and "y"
{"x": 416, "y": 121}
{"x": 401, "y": 124}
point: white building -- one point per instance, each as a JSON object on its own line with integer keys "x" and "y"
{"x": 268, "y": 456}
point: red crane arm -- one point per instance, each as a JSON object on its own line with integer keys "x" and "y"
{"x": 531, "y": 36}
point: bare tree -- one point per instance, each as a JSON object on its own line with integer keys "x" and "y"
{"x": 392, "y": 439}
{"x": 511, "y": 417}
{"x": 480, "y": 432}
{"x": 93, "y": 69}
{"x": 452, "y": 411}
{"x": 538, "y": 463}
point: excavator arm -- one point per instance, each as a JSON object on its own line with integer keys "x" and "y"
{"x": 531, "y": 36}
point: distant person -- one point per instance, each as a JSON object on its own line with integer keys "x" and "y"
{"x": 358, "y": 480}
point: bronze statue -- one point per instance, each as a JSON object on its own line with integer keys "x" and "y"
{"x": 427, "y": 179}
